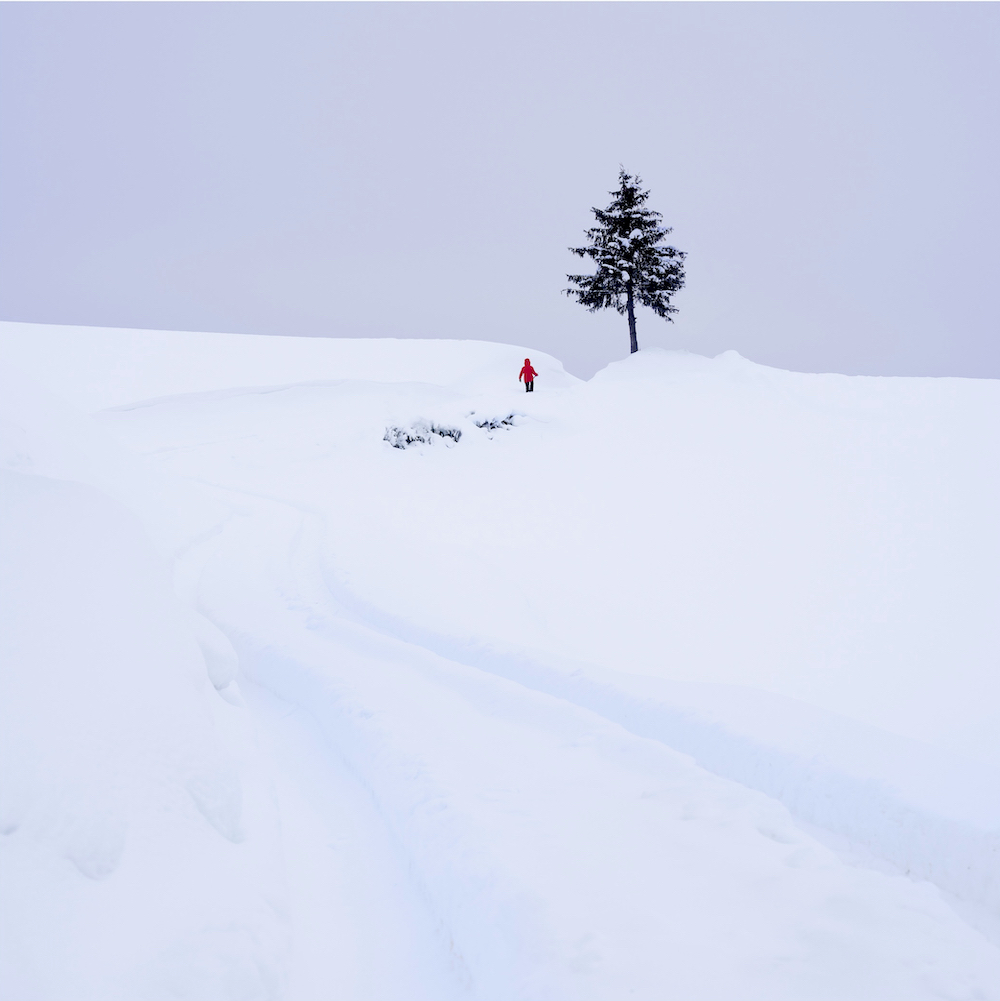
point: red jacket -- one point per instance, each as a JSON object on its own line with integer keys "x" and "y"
{"x": 527, "y": 373}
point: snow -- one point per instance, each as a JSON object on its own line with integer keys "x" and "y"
{"x": 679, "y": 680}
{"x": 125, "y": 787}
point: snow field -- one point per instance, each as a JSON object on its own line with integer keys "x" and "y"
{"x": 505, "y": 641}
{"x": 506, "y": 548}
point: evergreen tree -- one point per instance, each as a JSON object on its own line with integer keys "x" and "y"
{"x": 631, "y": 266}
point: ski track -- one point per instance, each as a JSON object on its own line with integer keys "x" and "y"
{"x": 358, "y": 928}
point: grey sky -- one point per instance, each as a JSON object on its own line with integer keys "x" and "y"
{"x": 420, "y": 169}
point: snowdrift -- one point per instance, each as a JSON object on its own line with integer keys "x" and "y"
{"x": 140, "y": 857}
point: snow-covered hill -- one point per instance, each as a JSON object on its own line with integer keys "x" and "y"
{"x": 678, "y": 682}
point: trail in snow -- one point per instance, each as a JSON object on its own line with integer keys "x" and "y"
{"x": 359, "y": 930}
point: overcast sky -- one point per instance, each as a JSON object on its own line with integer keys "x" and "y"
{"x": 419, "y": 170}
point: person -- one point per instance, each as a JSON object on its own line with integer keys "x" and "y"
{"x": 528, "y": 374}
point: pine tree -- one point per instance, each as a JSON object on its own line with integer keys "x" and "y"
{"x": 631, "y": 266}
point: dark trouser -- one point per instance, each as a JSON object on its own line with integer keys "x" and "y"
{"x": 529, "y": 385}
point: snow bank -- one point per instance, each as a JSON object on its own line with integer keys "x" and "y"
{"x": 139, "y": 851}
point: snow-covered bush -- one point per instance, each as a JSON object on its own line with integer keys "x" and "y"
{"x": 495, "y": 423}
{"x": 419, "y": 432}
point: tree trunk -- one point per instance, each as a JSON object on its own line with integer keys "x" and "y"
{"x": 631, "y": 320}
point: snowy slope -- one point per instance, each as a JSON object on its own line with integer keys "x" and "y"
{"x": 140, "y": 855}
{"x": 616, "y": 671}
